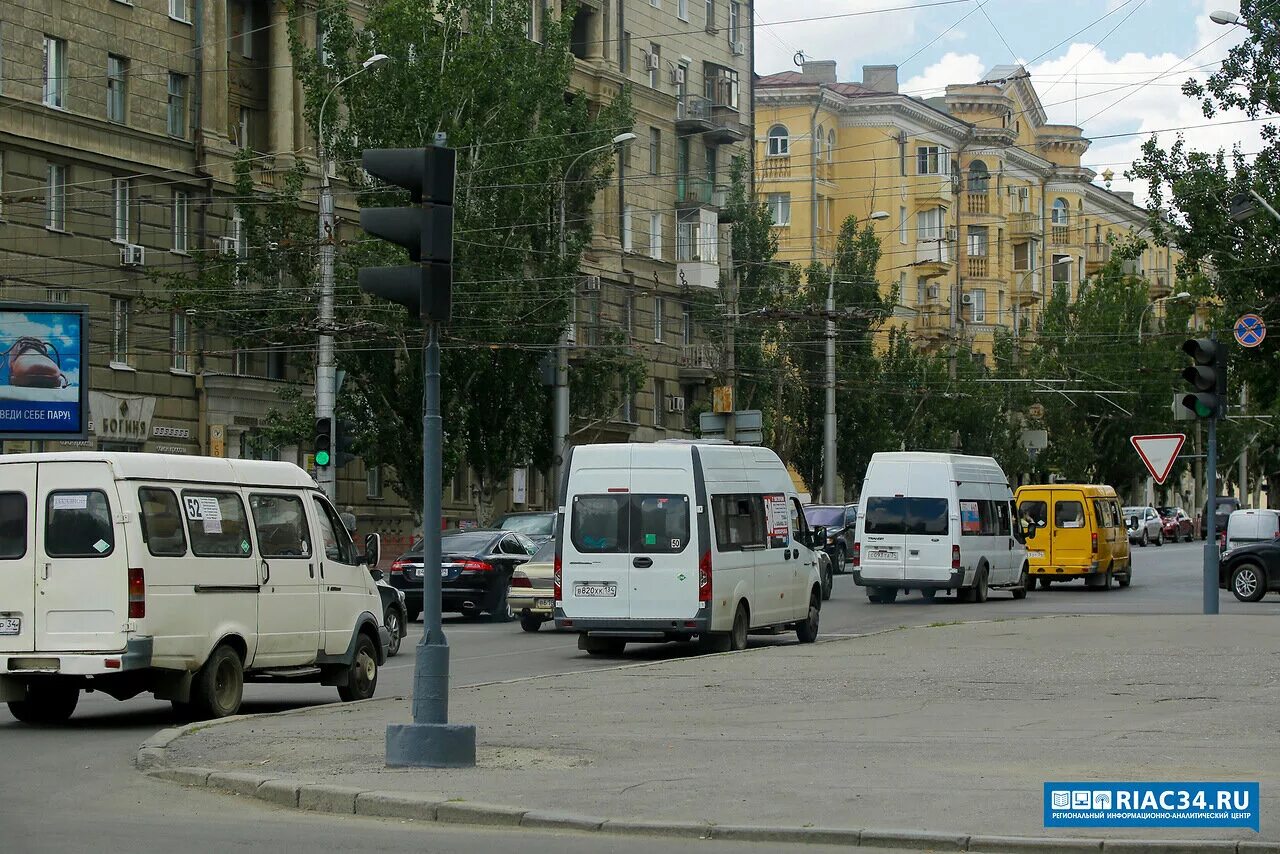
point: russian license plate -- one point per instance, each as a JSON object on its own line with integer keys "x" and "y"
{"x": 1035, "y": 554}
{"x": 882, "y": 554}
{"x": 591, "y": 589}
{"x": 10, "y": 625}
{"x": 543, "y": 603}
{"x": 444, "y": 572}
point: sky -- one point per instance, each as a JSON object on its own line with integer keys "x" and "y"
{"x": 1114, "y": 67}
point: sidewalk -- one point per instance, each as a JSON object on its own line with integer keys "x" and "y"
{"x": 950, "y": 728}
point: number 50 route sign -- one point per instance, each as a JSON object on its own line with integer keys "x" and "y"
{"x": 1159, "y": 452}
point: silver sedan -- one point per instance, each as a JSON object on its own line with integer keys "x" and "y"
{"x": 1144, "y": 525}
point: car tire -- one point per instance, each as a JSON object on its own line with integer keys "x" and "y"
{"x": 1160, "y": 538}
{"x": 1191, "y": 537}
{"x": 807, "y": 629}
{"x": 888, "y": 595}
{"x": 530, "y": 623}
{"x": 1125, "y": 579}
{"x": 1249, "y": 582}
{"x": 842, "y": 560}
{"x": 1143, "y": 540}
{"x": 741, "y": 625}
{"x": 48, "y": 701}
{"x": 1020, "y": 592}
{"x": 362, "y": 677}
{"x": 601, "y": 646}
{"x": 391, "y": 619}
{"x": 1044, "y": 582}
{"x": 828, "y": 578}
{"x": 218, "y": 686}
{"x": 929, "y": 593}
{"x": 980, "y": 588}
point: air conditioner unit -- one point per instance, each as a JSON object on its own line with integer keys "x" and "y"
{"x": 966, "y": 299}
{"x": 951, "y": 232}
{"x": 738, "y": 48}
{"x": 652, "y": 61}
{"x": 679, "y": 404}
{"x": 933, "y": 292}
{"x": 671, "y": 403}
{"x": 132, "y": 255}
{"x": 591, "y": 283}
{"x": 227, "y": 246}
{"x": 677, "y": 75}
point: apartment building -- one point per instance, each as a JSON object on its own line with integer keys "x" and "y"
{"x": 120, "y": 123}
{"x": 981, "y": 205}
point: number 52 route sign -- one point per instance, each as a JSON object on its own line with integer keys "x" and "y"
{"x": 1158, "y": 452}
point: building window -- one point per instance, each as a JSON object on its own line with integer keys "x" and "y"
{"x": 655, "y": 64}
{"x": 1022, "y": 257}
{"x": 178, "y": 343}
{"x": 121, "y": 309}
{"x": 120, "y": 209}
{"x": 181, "y": 205}
{"x": 688, "y": 241}
{"x": 979, "y": 177}
{"x": 902, "y": 224}
{"x": 246, "y": 29}
{"x": 373, "y": 482}
{"x": 657, "y": 4}
{"x": 659, "y": 402}
{"x": 55, "y": 205}
{"x": 711, "y": 15}
{"x": 655, "y": 236}
{"x": 978, "y": 307}
{"x": 978, "y": 241}
{"x": 55, "y": 72}
{"x": 929, "y": 225}
{"x": 243, "y": 128}
{"x": 831, "y": 146}
{"x": 721, "y": 86}
{"x": 627, "y": 244}
{"x": 659, "y": 309}
{"x": 735, "y": 18}
{"x": 178, "y": 11}
{"x": 624, "y": 48}
{"x": 688, "y": 327}
{"x": 779, "y": 141}
{"x": 932, "y": 160}
{"x": 629, "y": 315}
{"x": 655, "y": 151}
{"x": 58, "y": 295}
{"x": 117, "y": 74}
{"x": 779, "y": 208}
{"x": 1062, "y": 269}
{"x": 1061, "y": 211}
{"x": 177, "y": 105}
{"x": 682, "y": 9}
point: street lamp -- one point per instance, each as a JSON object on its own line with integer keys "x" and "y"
{"x": 326, "y": 384}
{"x": 1181, "y": 296}
{"x": 1226, "y": 19}
{"x": 560, "y": 441}
{"x": 829, "y": 419}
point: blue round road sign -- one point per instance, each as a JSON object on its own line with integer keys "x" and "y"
{"x": 1250, "y": 330}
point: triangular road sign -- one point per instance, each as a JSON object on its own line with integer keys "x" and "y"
{"x": 1158, "y": 452}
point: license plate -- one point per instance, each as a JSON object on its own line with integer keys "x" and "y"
{"x": 1035, "y": 554}
{"x": 444, "y": 572}
{"x": 882, "y": 554}
{"x": 543, "y": 603}
{"x": 10, "y": 625}
{"x": 588, "y": 590}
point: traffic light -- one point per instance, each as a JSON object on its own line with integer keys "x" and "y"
{"x": 1208, "y": 377}
{"x": 343, "y": 443}
{"x": 425, "y": 229}
{"x": 324, "y": 438}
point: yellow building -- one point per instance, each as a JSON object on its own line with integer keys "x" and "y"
{"x": 981, "y": 204}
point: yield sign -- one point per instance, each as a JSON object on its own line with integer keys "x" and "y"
{"x": 1158, "y": 452}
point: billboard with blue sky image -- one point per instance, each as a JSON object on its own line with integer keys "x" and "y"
{"x": 43, "y": 375}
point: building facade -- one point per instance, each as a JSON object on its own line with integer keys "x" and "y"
{"x": 981, "y": 205}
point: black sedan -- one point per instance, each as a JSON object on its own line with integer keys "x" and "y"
{"x": 475, "y": 572}
{"x": 1250, "y": 571}
{"x": 841, "y": 522}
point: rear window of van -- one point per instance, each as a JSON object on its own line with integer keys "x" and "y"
{"x": 13, "y": 525}
{"x": 632, "y": 523}
{"x": 902, "y": 515}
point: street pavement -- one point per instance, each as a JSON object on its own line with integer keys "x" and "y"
{"x": 83, "y": 772}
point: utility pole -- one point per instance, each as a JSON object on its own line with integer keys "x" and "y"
{"x": 730, "y": 350}
{"x": 1244, "y": 453}
{"x": 829, "y": 421}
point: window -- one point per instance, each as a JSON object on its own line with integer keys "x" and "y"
{"x": 735, "y": 18}
{"x": 13, "y": 525}
{"x": 177, "y": 104}
{"x": 246, "y": 29}
{"x": 55, "y": 205}
{"x": 712, "y": 161}
{"x": 121, "y": 308}
{"x": 979, "y": 177}
{"x": 979, "y": 237}
{"x": 655, "y": 236}
{"x": 241, "y": 236}
{"x": 78, "y": 524}
{"x": 120, "y": 208}
{"x": 980, "y": 518}
{"x": 624, "y": 50}
{"x": 281, "y": 525}
{"x": 216, "y": 524}
{"x": 55, "y": 72}
{"x": 373, "y": 482}
{"x": 682, "y": 9}
{"x": 244, "y": 128}
{"x": 978, "y": 309}
{"x": 337, "y": 542}
{"x": 636, "y": 523}
{"x": 117, "y": 74}
{"x": 929, "y": 224}
{"x": 655, "y": 64}
{"x": 181, "y": 205}
{"x": 58, "y": 295}
{"x": 817, "y": 143}
{"x": 179, "y": 360}
{"x": 655, "y": 151}
{"x": 657, "y": 4}
{"x": 932, "y": 160}
{"x": 1004, "y": 526}
{"x": 1061, "y": 211}
{"x": 688, "y": 326}
{"x": 659, "y": 309}
{"x": 779, "y": 141}
{"x": 711, "y": 14}
{"x": 739, "y": 521}
{"x": 900, "y": 515}
{"x": 1035, "y": 513}
{"x": 1022, "y": 257}
{"x": 629, "y": 315}
{"x": 1062, "y": 269}
{"x": 688, "y": 239}
{"x": 722, "y": 86}
{"x": 161, "y": 522}
{"x": 779, "y": 208}
{"x": 902, "y": 224}
{"x": 178, "y": 11}
{"x": 1068, "y": 514}
{"x": 627, "y": 239}
{"x": 659, "y": 402}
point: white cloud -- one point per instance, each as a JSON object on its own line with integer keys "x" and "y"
{"x": 836, "y": 34}
{"x": 951, "y": 69}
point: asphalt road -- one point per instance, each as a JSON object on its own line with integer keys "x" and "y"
{"x": 74, "y": 788}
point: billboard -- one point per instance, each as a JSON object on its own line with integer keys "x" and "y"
{"x": 44, "y": 371}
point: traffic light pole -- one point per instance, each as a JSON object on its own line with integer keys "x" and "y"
{"x": 1210, "y": 580}
{"x": 326, "y": 380}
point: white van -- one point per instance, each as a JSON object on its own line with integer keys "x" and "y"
{"x": 181, "y": 576}
{"x": 1252, "y": 526}
{"x": 933, "y": 522}
{"x": 676, "y": 540}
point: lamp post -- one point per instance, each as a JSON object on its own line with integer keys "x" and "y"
{"x": 1225, "y": 18}
{"x": 1178, "y": 297}
{"x": 560, "y": 440}
{"x": 326, "y": 385}
{"x": 829, "y": 419}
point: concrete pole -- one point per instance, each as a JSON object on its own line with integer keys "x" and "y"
{"x": 1244, "y": 453}
{"x": 327, "y": 476}
{"x": 829, "y": 421}
{"x": 1210, "y": 579}
{"x": 560, "y": 424}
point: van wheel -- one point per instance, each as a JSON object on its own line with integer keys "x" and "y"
{"x": 807, "y": 631}
{"x": 1024, "y": 584}
{"x": 828, "y": 578}
{"x": 980, "y": 587}
{"x": 218, "y": 687}
{"x": 391, "y": 619}
{"x": 738, "y": 634}
{"x": 601, "y": 646}
{"x": 1124, "y": 580}
{"x": 362, "y": 678}
{"x": 530, "y": 623}
{"x": 1045, "y": 582}
{"x": 929, "y": 593}
{"x": 1248, "y": 583}
{"x": 48, "y": 702}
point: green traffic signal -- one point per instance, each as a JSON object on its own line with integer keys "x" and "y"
{"x": 322, "y": 458}
{"x": 1207, "y": 377}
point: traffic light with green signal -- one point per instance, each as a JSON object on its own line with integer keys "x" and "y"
{"x": 1207, "y": 377}
{"x": 324, "y": 442}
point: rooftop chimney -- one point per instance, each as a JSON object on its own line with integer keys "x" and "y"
{"x": 818, "y": 71}
{"x": 881, "y": 78}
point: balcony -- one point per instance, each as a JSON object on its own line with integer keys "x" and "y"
{"x": 1097, "y": 255}
{"x": 979, "y": 204}
{"x": 978, "y": 267}
{"x": 1060, "y": 235}
{"x": 774, "y": 168}
{"x": 1024, "y": 224}
{"x": 933, "y": 257}
{"x": 726, "y": 126}
{"x": 699, "y": 362}
{"x": 1160, "y": 286}
{"x": 693, "y": 115}
{"x": 932, "y": 322}
{"x": 1027, "y": 287}
{"x": 695, "y": 192}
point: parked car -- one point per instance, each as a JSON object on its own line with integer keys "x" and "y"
{"x": 841, "y": 522}
{"x": 1145, "y": 525}
{"x": 538, "y": 526}
{"x": 1082, "y": 534}
{"x": 395, "y": 614}
{"x": 532, "y": 595}
{"x": 1245, "y": 527}
{"x": 1177, "y": 524}
{"x": 475, "y": 572}
{"x": 1224, "y": 507}
{"x": 1249, "y": 572}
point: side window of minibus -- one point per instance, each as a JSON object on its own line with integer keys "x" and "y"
{"x": 161, "y": 522}
{"x": 337, "y": 545}
{"x": 78, "y": 524}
